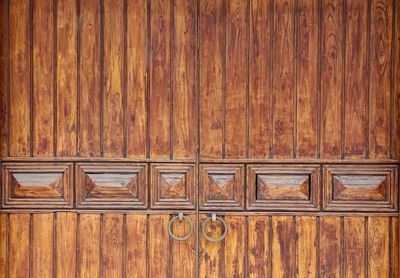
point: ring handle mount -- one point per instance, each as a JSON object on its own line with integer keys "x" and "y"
{"x": 214, "y": 218}
{"x": 180, "y": 217}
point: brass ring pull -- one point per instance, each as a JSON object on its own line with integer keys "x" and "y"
{"x": 214, "y": 217}
{"x": 180, "y": 217}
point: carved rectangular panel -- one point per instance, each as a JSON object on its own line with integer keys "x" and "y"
{"x": 30, "y": 185}
{"x": 116, "y": 185}
{"x": 221, "y": 186}
{"x": 360, "y": 188}
{"x": 283, "y": 187}
{"x": 173, "y": 186}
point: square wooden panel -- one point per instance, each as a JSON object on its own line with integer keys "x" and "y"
{"x": 283, "y": 187}
{"x": 360, "y": 188}
{"x": 221, "y": 186}
{"x": 111, "y": 185}
{"x": 173, "y": 186}
{"x": 37, "y": 185}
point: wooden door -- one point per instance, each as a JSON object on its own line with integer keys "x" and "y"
{"x": 199, "y": 138}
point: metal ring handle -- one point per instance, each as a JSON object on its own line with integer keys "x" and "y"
{"x": 214, "y": 218}
{"x": 180, "y": 217}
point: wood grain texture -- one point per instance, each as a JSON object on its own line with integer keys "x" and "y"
{"x": 89, "y": 78}
{"x": 20, "y": 78}
{"x": 211, "y": 78}
{"x": 283, "y": 79}
{"x": 332, "y": 77}
{"x": 307, "y": 246}
{"x": 4, "y": 74}
{"x": 89, "y": 237}
{"x": 136, "y": 244}
{"x": 43, "y": 78}
{"x": 42, "y": 245}
{"x": 378, "y": 247}
{"x": 19, "y": 244}
{"x": 136, "y": 117}
{"x": 283, "y": 255}
{"x": 66, "y": 244}
{"x": 260, "y": 78}
{"x": 112, "y": 244}
{"x": 4, "y": 226}
{"x": 307, "y": 90}
{"x": 113, "y": 78}
{"x": 380, "y": 78}
{"x": 66, "y": 78}
{"x": 396, "y": 79}
{"x": 236, "y": 79}
{"x": 330, "y": 247}
{"x": 354, "y": 247}
{"x": 160, "y": 83}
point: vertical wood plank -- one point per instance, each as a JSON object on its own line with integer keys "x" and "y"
{"x": 283, "y": 250}
{"x": 260, "y": 78}
{"x": 236, "y": 79}
{"x": 66, "y": 231}
{"x": 356, "y": 82}
{"x": 331, "y": 78}
{"x": 89, "y": 246}
{"x": 136, "y": 125}
{"x": 184, "y": 252}
{"x": 330, "y": 245}
{"x": 395, "y": 256}
{"x": 160, "y": 85}
{"x": 380, "y": 78}
{"x": 307, "y": 19}
{"x": 234, "y": 255}
{"x": 113, "y": 78}
{"x": 3, "y": 244}
{"x": 4, "y": 4}
{"x": 159, "y": 246}
{"x": 112, "y": 245}
{"x": 211, "y": 78}
{"x": 42, "y": 245}
{"x": 183, "y": 70}
{"x": 136, "y": 244}
{"x": 20, "y": 78}
{"x": 378, "y": 247}
{"x": 396, "y": 77}
{"x": 306, "y": 227}
{"x": 283, "y": 79}
{"x": 89, "y": 78}
{"x": 43, "y": 78}
{"x": 258, "y": 247}
{"x": 354, "y": 247}
{"x": 211, "y": 253}
{"x": 19, "y": 242}
{"x": 66, "y": 78}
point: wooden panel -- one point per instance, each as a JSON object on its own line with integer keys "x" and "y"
{"x": 395, "y": 243}
{"x": 89, "y": 78}
{"x": 183, "y": 82}
{"x": 259, "y": 248}
{"x": 20, "y": 78}
{"x": 173, "y": 186}
{"x": 89, "y": 237}
{"x": 260, "y": 78}
{"x": 111, "y": 185}
{"x": 330, "y": 247}
{"x": 236, "y": 79}
{"x": 283, "y": 79}
{"x": 356, "y": 80}
{"x": 112, "y": 242}
{"x": 66, "y": 244}
{"x": 4, "y": 230}
{"x": 307, "y": 246}
{"x": 136, "y": 243}
{"x": 283, "y": 187}
{"x": 353, "y": 249}
{"x": 19, "y": 240}
{"x": 211, "y": 78}
{"x": 30, "y": 185}
{"x": 113, "y": 78}
{"x": 221, "y": 186}
{"x": 307, "y": 19}
{"x": 43, "y": 78}
{"x": 378, "y": 247}
{"x": 66, "y": 78}
{"x": 396, "y": 79}
{"x": 136, "y": 120}
{"x": 283, "y": 250}
{"x": 380, "y": 78}
{"x": 4, "y": 75}
{"x": 42, "y": 245}
{"x": 160, "y": 83}
{"x": 360, "y": 187}
{"x": 331, "y": 78}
